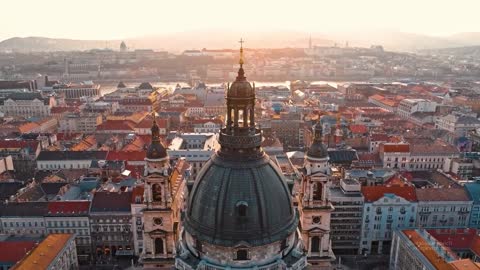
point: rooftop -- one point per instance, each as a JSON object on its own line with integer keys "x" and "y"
{"x": 433, "y": 255}
{"x": 442, "y": 194}
{"x": 111, "y": 201}
{"x": 374, "y": 193}
{"x": 395, "y": 148}
{"x": 68, "y": 208}
{"x": 45, "y": 253}
{"x": 13, "y": 251}
{"x": 71, "y": 155}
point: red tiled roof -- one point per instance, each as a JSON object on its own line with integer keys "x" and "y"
{"x": 68, "y": 207}
{"x": 18, "y": 144}
{"x": 358, "y": 129}
{"x": 426, "y": 249}
{"x": 138, "y": 191}
{"x": 67, "y": 136}
{"x": 456, "y": 238}
{"x": 396, "y": 180}
{"x": 377, "y": 97}
{"x": 395, "y": 148}
{"x": 374, "y": 193}
{"x": 148, "y": 121}
{"x": 379, "y": 137}
{"x": 126, "y": 155}
{"x": 136, "y": 170}
{"x": 116, "y": 125}
{"x": 14, "y": 251}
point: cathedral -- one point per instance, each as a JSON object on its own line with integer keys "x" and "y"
{"x": 239, "y": 213}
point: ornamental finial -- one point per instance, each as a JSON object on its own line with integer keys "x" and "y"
{"x": 241, "y": 52}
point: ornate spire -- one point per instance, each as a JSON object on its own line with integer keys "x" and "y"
{"x": 318, "y": 132}
{"x": 241, "y": 72}
{"x": 156, "y": 150}
{"x": 155, "y": 129}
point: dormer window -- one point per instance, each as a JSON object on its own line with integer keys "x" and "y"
{"x": 242, "y": 207}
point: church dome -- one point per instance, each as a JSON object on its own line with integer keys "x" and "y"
{"x": 156, "y": 150}
{"x": 235, "y": 201}
{"x": 240, "y": 88}
{"x": 317, "y": 149}
{"x": 240, "y": 196}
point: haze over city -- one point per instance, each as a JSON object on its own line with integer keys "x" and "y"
{"x": 331, "y": 20}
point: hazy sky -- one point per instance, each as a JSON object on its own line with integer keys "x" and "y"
{"x": 117, "y": 19}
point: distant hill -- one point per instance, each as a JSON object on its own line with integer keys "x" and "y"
{"x": 37, "y": 44}
{"x": 220, "y": 39}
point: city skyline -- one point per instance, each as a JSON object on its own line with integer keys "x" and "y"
{"x": 107, "y": 20}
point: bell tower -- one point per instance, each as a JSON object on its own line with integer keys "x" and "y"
{"x": 158, "y": 218}
{"x": 240, "y": 137}
{"x": 314, "y": 206}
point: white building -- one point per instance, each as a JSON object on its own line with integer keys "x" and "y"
{"x": 416, "y": 156}
{"x": 409, "y": 106}
{"x": 71, "y": 217}
{"x": 55, "y": 160}
{"x": 457, "y": 124}
{"x": 385, "y": 209}
{"x": 26, "y": 218}
{"x": 443, "y": 208}
{"x": 196, "y": 148}
{"x": 207, "y": 125}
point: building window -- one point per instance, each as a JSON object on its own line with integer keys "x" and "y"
{"x": 158, "y": 246}
{"x": 242, "y": 255}
{"x": 315, "y": 244}
{"x": 242, "y": 208}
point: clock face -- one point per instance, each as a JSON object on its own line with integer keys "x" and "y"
{"x": 158, "y": 221}
{"x": 316, "y": 220}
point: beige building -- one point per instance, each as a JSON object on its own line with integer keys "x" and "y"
{"x": 26, "y": 105}
{"x": 83, "y": 123}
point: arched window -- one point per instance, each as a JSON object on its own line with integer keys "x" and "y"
{"x": 157, "y": 193}
{"x": 242, "y": 208}
{"x": 315, "y": 244}
{"x": 317, "y": 191}
{"x": 158, "y": 246}
{"x": 242, "y": 255}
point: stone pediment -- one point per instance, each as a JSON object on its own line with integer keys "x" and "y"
{"x": 242, "y": 244}
{"x": 157, "y": 232}
{"x": 317, "y": 230}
